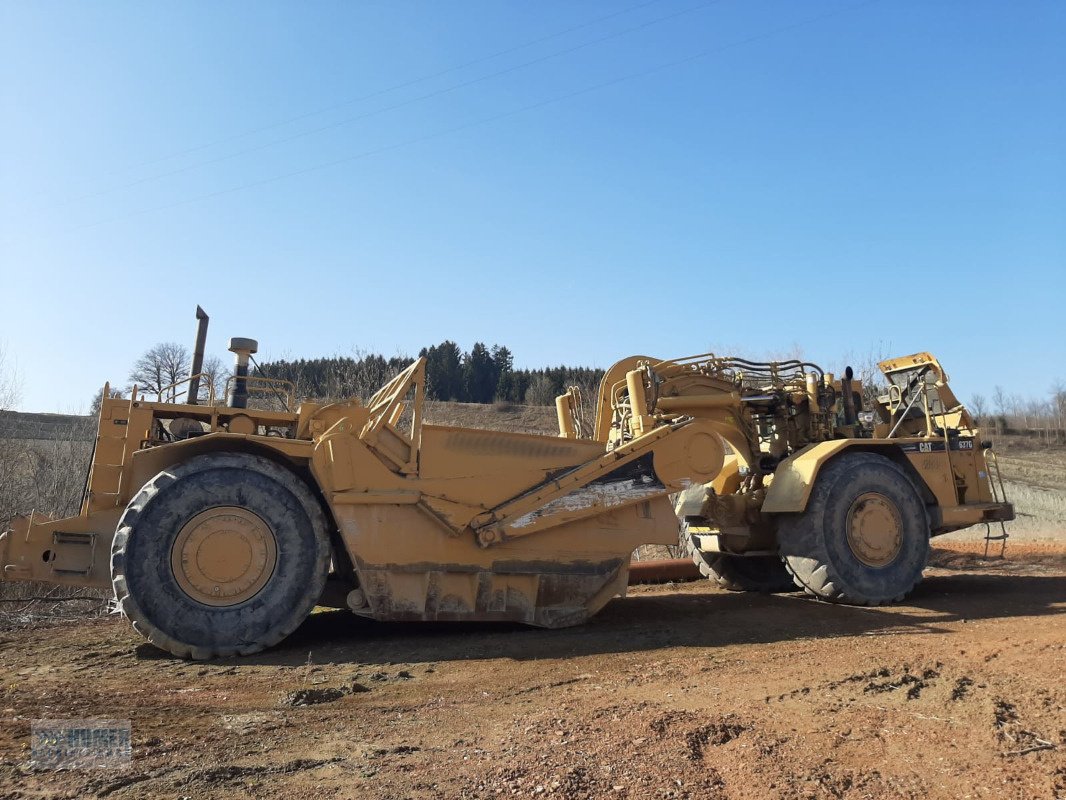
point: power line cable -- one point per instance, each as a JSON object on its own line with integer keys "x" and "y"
{"x": 405, "y": 84}
{"x": 370, "y": 96}
{"x": 402, "y": 104}
{"x": 490, "y": 119}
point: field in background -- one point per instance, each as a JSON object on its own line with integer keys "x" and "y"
{"x": 500, "y": 417}
{"x": 1035, "y": 480}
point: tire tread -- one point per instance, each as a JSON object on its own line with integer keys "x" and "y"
{"x": 806, "y": 556}
{"x": 125, "y": 602}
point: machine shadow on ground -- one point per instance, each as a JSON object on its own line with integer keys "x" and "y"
{"x": 691, "y": 617}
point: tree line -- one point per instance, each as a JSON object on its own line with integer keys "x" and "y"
{"x": 481, "y": 375}
{"x": 487, "y": 374}
{"x": 1012, "y": 413}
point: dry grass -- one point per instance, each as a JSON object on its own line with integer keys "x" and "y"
{"x": 1035, "y": 466}
{"x": 46, "y": 476}
{"x": 1034, "y": 477}
{"x": 497, "y": 417}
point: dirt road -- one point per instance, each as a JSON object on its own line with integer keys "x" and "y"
{"x": 679, "y": 691}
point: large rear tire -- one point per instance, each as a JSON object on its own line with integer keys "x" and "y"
{"x": 766, "y": 574}
{"x": 224, "y": 554}
{"x": 864, "y": 538}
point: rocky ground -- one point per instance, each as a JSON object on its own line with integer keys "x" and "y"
{"x": 678, "y": 691}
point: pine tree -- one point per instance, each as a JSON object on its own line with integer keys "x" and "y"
{"x": 444, "y": 373}
{"x": 479, "y": 375}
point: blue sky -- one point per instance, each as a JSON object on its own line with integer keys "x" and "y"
{"x": 578, "y": 181}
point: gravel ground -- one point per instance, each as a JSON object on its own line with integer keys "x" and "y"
{"x": 678, "y": 691}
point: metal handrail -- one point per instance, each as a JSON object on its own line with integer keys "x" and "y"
{"x": 172, "y": 397}
{"x": 903, "y": 416}
{"x": 1001, "y": 496}
{"x": 267, "y": 383}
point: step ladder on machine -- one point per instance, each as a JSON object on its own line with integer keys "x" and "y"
{"x": 999, "y": 495}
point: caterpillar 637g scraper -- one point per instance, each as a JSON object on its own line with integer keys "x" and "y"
{"x": 219, "y": 526}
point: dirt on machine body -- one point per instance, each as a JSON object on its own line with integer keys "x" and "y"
{"x": 219, "y": 526}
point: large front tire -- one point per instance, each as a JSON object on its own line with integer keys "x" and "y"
{"x": 224, "y": 554}
{"x": 864, "y": 538}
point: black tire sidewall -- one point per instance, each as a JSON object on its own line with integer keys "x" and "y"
{"x": 280, "y": 605}
{"x": 854, "y": 578}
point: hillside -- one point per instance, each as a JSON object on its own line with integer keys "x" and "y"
{"x": 500, "y": 417}
{"x": 47, "y": 427}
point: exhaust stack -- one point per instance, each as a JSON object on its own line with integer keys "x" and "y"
{"x": 198, "y": 356}
{"x": 850, "y": 415}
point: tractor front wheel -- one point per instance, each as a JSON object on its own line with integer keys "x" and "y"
{"x": 224, "y": 554}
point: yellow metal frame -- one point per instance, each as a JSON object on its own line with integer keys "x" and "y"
{"x": 438, "y": 515}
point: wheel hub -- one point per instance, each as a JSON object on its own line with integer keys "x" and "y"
{"x": 224, "y": 556}
{"x": 875, "y": 530}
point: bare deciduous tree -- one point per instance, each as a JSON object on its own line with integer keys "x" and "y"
{"x": 869, "y": 374}
{"x": 1019, "y": 410}
{"x": 98, "y": 398}
{"x": 214, "y": 375}
{"x": 9, "y": 383}
{"x": 999, "y": 400}
{"x": 541, "y": 391}
{"x": 1058, "y": 404}
{"x": 11, "y": 450}
{"x": 999, "y": 405}
{"x": 160, "y": 367}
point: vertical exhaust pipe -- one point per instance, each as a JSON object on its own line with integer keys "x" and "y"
{"x": 850, "y": 415}
{"x": 198, "y": 356}
{"x": 242, "y": 349}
